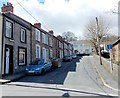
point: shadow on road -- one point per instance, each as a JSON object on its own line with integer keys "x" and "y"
{"x": 55, "y": 76}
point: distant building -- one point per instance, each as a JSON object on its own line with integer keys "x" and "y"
{"x": 82, "y": 46}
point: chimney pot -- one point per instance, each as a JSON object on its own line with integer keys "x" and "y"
{"x": 37, "y": 25}
{"x": 7, "y": 8}
{"x": 51, "y": 32}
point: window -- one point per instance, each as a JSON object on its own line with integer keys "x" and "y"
{"x": 37, "y": 34}
{"x": 9, "y": 28}
{"x": 50, "y": 40}
{"x": 23, "y": 35}
{"x": 22, "y": 56}
{"x": 46, "y": 39}
{"x": 37, "y": 51}
{"x": 60, "y": 45}
{"x": 51, "y": 53}
{"x": 47, "y": 54}
{"x": 43, "y": 38}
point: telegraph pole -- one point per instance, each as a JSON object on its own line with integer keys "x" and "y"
{"x": 98, "y": 41}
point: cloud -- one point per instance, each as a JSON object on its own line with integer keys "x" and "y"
{"x": 62, "y": 16}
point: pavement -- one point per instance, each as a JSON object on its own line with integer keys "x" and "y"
{"x": 12, "y": 77}
{"x": 84, "y": 77}
{"x": 92, "y": 77}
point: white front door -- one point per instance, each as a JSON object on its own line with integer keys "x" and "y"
{"x": 7, "y": 60}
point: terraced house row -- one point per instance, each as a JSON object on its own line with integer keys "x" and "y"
{"x": 21, "y": 42}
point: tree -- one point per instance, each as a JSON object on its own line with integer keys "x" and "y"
{"x": 91, "y": 31}
{"x": 69, "y": 36}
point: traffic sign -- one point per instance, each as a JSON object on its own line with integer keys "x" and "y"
{"x": 109, "y": 46}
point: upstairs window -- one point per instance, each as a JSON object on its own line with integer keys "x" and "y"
{"x": 38, "y": 51}
{"x": 46, "y": 39}
{"x": 23, "y": 35}
{"x": 50, "y": 41}
{"x": 37, "y": 34}
{"x": 43, "y": 38}
{"x": 9, "y": 29}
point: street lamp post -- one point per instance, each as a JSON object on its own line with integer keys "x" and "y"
{"x": 98, "y": 41}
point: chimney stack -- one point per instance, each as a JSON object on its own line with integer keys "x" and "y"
{"x": 51, "y": 32}
{"x": 37, "y": 25}
{"x": 7, "y": 8}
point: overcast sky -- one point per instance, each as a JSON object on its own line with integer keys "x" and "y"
{"x": 66, "y": 15}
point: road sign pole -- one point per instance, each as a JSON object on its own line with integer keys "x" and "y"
{"x": 111, "y": 65}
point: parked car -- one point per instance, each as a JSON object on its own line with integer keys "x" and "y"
{"x": 38, "y": 67}
{"x": 74, "y": 56}
{"x": 67, "y": 58}
{"x": 105, "y": 54}
{"x": 56, "y": 62}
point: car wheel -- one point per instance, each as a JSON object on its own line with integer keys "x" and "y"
{"x": 43, "y": 72}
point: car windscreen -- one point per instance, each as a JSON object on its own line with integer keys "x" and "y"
{"x": 36, "y": 62}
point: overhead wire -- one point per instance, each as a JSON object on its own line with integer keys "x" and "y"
{"x": 19, "y": 3}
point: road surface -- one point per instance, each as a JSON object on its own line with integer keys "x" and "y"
{"x": 79, "y": 77}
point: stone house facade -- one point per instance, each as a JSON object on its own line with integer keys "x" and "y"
{"x": 16, "y": 43}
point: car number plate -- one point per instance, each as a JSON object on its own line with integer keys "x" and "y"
{"x": 31, "y": 71}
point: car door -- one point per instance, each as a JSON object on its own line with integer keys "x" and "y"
{"x": 47, "y": 66}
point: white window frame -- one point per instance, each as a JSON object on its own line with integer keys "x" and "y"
{"x": 9, "y": 28}
{"x": 22, "y": 35}
{"x": 38, "y": 54}
{"x": 37, "y": 33}
{"x": 23, "y": 57}
{"x": 50, "y": 41}
{"x": 46, "y": 39}
{"x": 47, "y": 54}
{"x": 51, "y": 53}
{"x": 43, "y": 38}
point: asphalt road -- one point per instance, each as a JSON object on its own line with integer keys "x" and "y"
{"x": 76, "y": 78}
{"x": 54, "y": 76}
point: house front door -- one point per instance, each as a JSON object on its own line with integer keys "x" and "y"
{"x": 7, "y": 60}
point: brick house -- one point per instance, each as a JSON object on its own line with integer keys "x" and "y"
{"x": 47, "y": 48}
{"x": 55, "y": 47}
{"x": 70, "y": 48}
{"x": 116, "y": 51}
{"x": 60, "y": 46}
{"x": 36, "y": 41}
{"x": 42, "y": 43}
{"x": 66, "y": 48}
{"x": 16, "y": 42}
